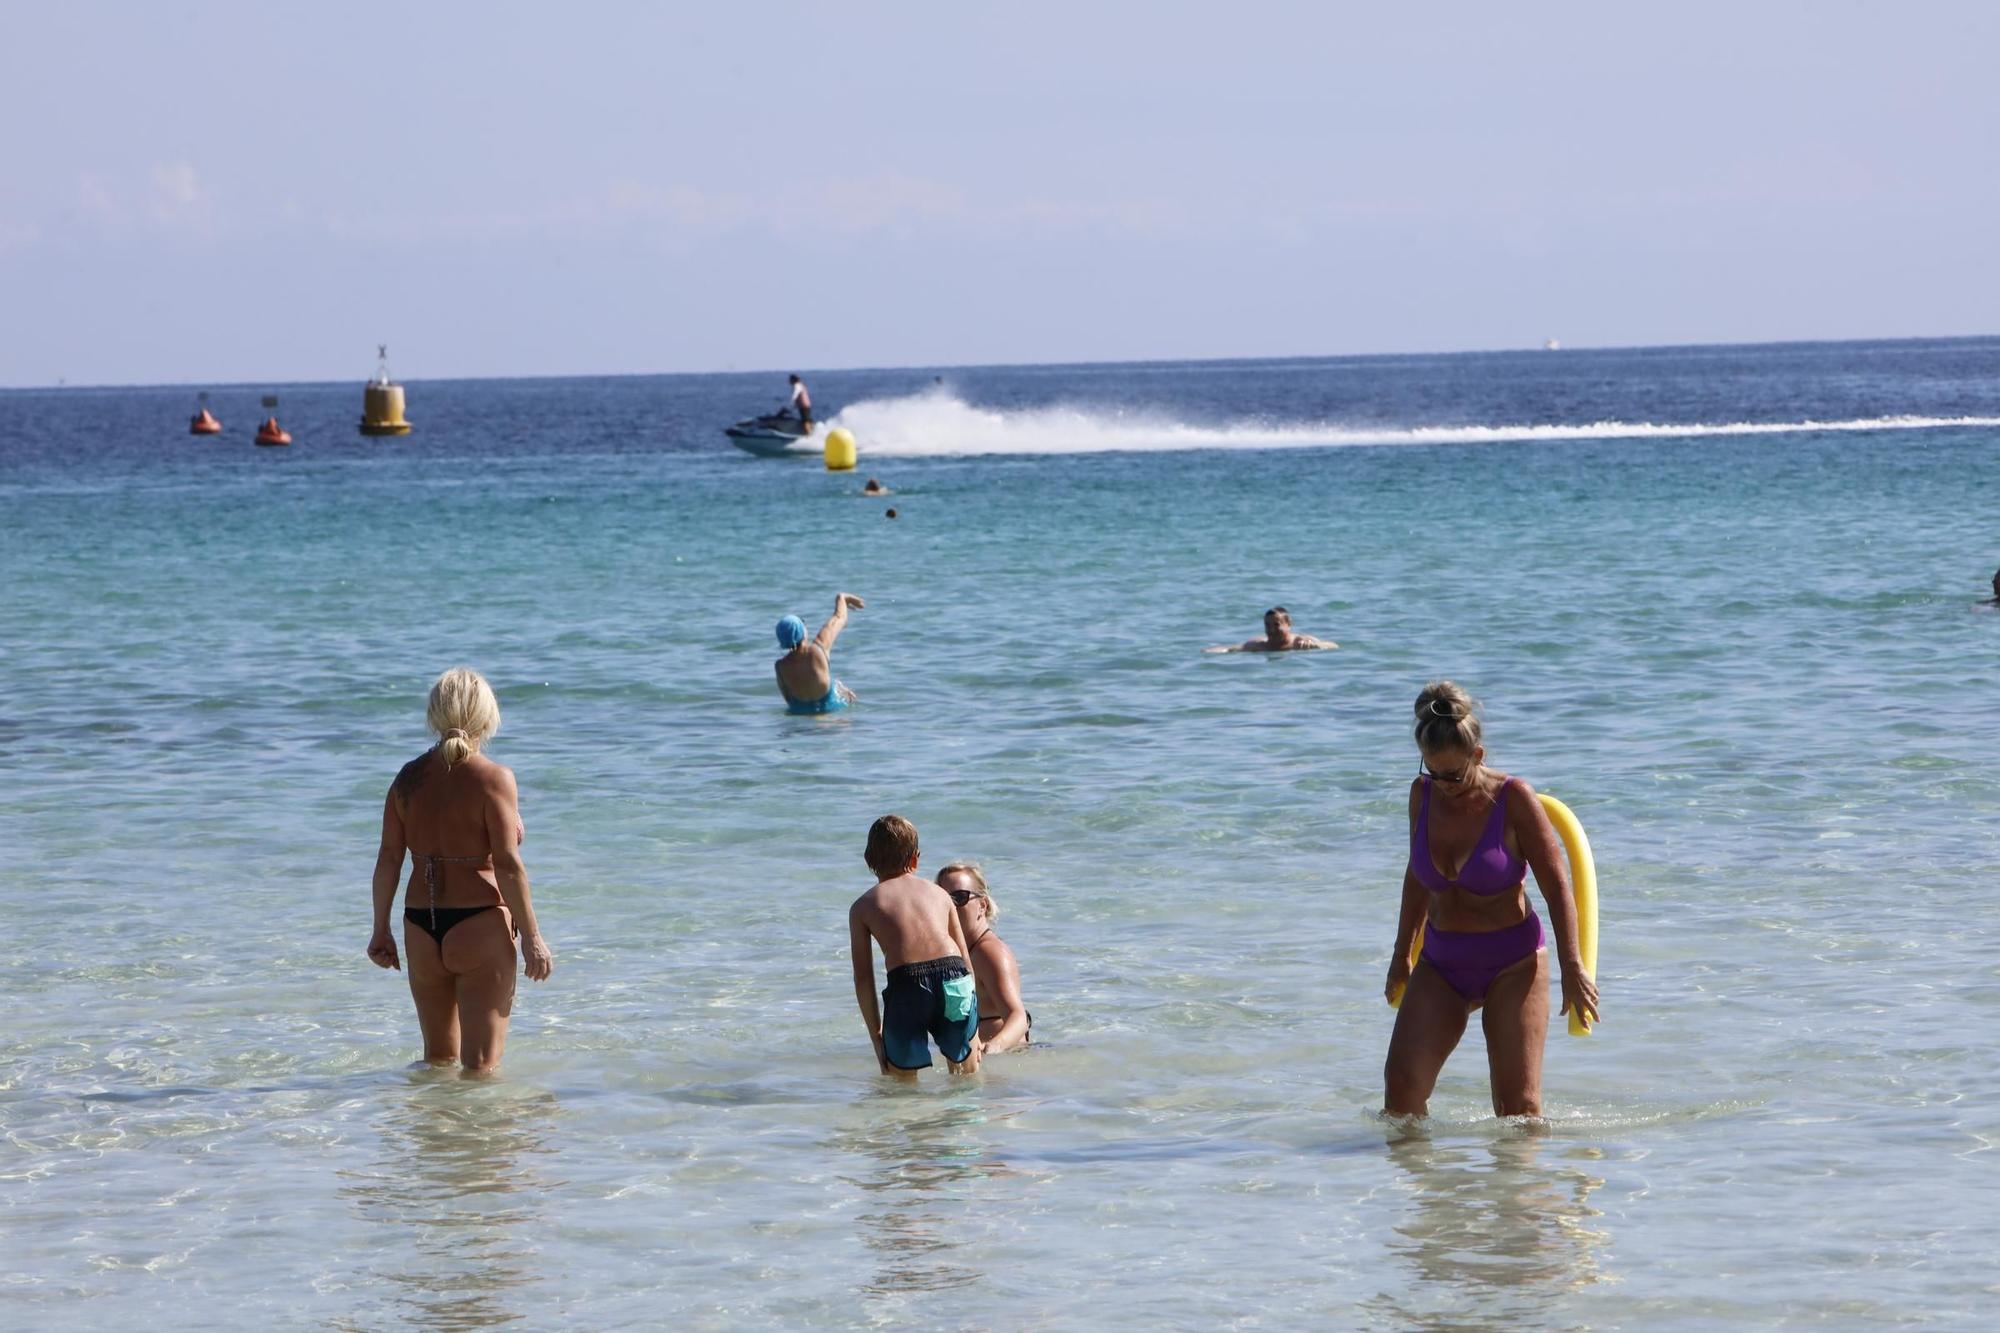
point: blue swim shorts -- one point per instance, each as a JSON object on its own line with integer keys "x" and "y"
{"x": 933, "y": 999}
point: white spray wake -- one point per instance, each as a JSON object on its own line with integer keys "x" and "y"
{"x": 938, "y": 424}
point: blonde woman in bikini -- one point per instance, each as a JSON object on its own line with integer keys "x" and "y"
{"x": 457, "y": 814}
{"x": 1004, "y": 1021}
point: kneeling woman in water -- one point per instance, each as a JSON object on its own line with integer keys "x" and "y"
{"x": 1003, "y": 1020}
{"x": 458, "y": 815}
{"x": 1483, "y": 945}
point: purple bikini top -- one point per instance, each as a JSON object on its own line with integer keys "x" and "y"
{"x": 1490, "y": 869}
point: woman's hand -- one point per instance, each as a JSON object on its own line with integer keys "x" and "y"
{"x": 847, "y": 601}
{"x": 1579, "y": 992}
{"x": 1399, "y": 979}
{"x": 382, "y": 950}
{"x": 538, "y": 959}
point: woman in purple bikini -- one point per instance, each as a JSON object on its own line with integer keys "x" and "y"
{"x": 1483, "y": 946}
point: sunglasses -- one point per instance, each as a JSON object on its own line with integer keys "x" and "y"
{"x": 961, "y": 896}
{"x": 1452, "y": 778}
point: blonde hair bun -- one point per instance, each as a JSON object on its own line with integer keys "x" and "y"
{"x": 1447, "y": 718}
{"x": 463, "y": 713}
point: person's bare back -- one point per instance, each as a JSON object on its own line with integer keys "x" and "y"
{"x": 910, "y": 918}
{"x": 450, "y": 812}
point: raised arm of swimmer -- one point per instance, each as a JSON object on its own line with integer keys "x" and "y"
{"x": 504, "y": 833}
{"x": 1543, "y": 852}
{"x": 836, "y": 622}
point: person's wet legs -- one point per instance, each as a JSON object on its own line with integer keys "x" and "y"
{"x": 1516, "y": 1022}
{"x": 1428, "y": 1026}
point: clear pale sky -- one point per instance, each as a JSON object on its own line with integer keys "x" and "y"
{"x": 209, "y": 193}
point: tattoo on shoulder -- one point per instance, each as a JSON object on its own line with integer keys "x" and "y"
{"x": 412, "y": 776}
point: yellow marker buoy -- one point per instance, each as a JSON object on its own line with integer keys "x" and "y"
{"x": 840, "y": 451}
{"x": 382, "y": 401}
{"x": 1583, "y": 890}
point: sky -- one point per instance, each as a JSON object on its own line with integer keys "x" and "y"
{"x": 226, "y": 193}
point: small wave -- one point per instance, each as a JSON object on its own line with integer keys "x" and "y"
{"x": 939, "y": 424}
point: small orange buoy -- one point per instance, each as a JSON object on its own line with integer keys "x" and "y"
{"x": 204, "y": 423}
{"x": 271, "y": 433}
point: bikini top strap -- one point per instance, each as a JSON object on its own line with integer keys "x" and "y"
{"x": 1497, "y": 821}
{"x": 438, "y": 858}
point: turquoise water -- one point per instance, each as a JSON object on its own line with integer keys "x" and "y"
{"x": 1742, "y": 648}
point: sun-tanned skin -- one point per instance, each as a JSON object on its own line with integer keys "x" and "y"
{"x": 1003, "y": 1018}
{"x": 1515, "y": 1014}
{"x": 464, "y": 991}
{"x": 804, "y": 672}
{"x": 1278, "y": 638}
{"x": 913, "y": 920}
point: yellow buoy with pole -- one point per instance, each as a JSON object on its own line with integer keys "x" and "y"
{"x": 840, "y": 450}
{"x": 382, "y": 400}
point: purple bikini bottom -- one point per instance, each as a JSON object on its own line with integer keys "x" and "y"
{"x": 1469, "y": 960}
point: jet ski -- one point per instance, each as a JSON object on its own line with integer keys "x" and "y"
{"x": 773, "y": 436}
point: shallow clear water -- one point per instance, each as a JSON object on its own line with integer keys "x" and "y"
{"x": 1749, "y": 661}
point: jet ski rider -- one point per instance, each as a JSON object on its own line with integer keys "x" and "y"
{"x": 803, "y": 402}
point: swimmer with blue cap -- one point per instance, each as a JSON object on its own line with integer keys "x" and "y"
{"x": 805, "y": 675}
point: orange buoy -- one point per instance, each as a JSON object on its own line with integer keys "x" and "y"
{"x": 204, "y": 423}
{"x": 271, "y": 433}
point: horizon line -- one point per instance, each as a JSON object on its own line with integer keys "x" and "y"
{"x": 1509, "y": 350}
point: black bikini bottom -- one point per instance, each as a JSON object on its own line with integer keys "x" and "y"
{"x": 437, "y": 922}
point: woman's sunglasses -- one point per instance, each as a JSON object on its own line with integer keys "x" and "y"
{"x": 961, "y": 896}
{"x": 1435, "y": 776}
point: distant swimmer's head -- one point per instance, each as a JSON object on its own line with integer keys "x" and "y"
{"x": 796, "y": 380}
{"x": 1276, "y": 619}
{"x": 1448, "y": 733}
{"x": 966, "y": 883}
{"x": 791, "y": 632}
{"x": 891, "y": 512}
{"x": 874, "y": 487}
{"x": 463, "y": 713}
{"x": 892, "y": 847}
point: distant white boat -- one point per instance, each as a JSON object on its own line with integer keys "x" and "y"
{"x": 1552, "y": 346}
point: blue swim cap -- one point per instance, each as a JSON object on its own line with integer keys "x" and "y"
{"x": 791, "y": 632}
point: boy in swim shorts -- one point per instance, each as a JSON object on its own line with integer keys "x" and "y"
{"x": 930, "y": 995}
